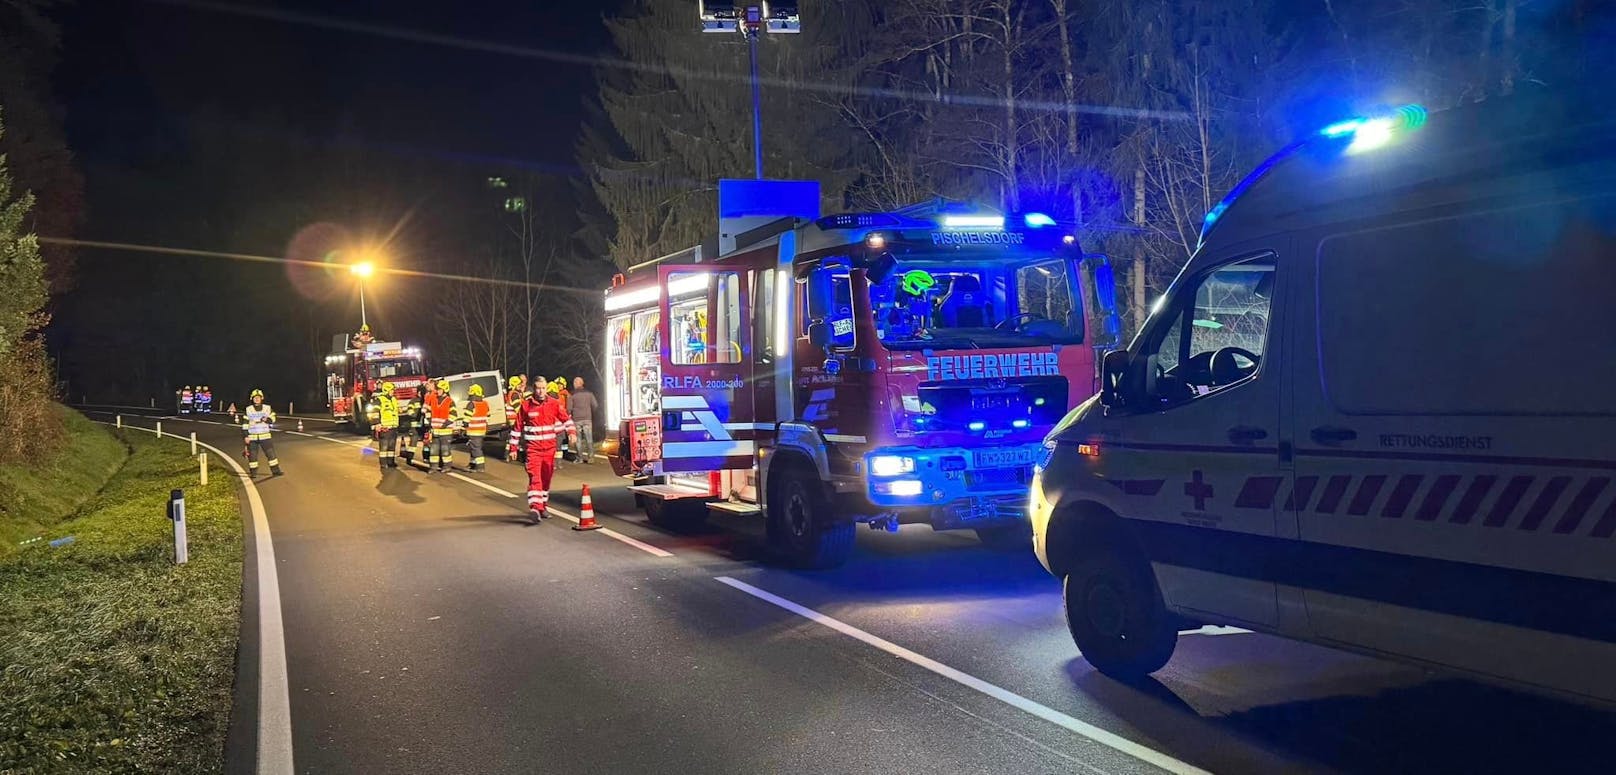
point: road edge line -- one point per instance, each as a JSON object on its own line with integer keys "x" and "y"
{"x": 274, "y": 754}
{"x": 1108, "y": 739}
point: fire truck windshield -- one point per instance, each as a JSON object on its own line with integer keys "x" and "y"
{"x": 973, "y": 302}
{"x": 403, "y": 367}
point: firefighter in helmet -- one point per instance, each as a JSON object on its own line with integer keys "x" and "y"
{"x": 475, "y": 414}
{"x": 442, "y": 415}
{"x": 255, "y": 423}
{"x": 387, "y": 421}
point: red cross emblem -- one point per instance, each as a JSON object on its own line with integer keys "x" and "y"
{"x": 1198, "y": 489}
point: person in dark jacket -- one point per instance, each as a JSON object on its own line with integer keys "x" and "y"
{"x": 582, "y": 406}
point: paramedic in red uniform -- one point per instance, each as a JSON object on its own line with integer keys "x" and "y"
{"x": 540, "y": 422}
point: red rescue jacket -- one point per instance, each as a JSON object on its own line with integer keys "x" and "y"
{"x": 539, "y": 423}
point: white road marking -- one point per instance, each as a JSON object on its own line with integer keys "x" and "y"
{"x": 634, "y": 542}
{"x": 484, "y": 485}
{"x": 1108, "y": 739}
{"x": 606, "y": 531}
{"x": 274, "y": 697}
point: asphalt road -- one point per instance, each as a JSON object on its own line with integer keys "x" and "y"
{"x": 430, "y": 630}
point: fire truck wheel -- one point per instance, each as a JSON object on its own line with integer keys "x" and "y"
{"x": 1116, "y": 615}
{"x": 801, "y": 525}
{"x": 675, "y": 515}
{"x": 1006, "y": 538}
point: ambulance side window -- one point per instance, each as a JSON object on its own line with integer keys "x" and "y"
{"x": 1216, "y": 333}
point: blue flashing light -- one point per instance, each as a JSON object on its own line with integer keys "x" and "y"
{"x": 1341, "y": 128}
{"x": 977, "y": 425}
{"x": 1020, "y": 423}
{"x": 1038, "y": 220}
{"x": 973, "y": 222}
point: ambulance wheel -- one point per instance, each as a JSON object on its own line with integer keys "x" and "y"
{"x": 801, "y": 526}
{"x": 675, "y": 515}
{"x": 1116, "y": 614}
{"x": 1006, "y": 538}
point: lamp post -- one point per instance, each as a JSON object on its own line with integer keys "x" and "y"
{"x": 362, "y": 270}
{"x": 751, "y": 20}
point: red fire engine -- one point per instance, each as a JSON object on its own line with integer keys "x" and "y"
{"x": 354, "y": 376}
{"x": 883, "y": 368}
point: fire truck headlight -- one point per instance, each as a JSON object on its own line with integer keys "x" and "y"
{"x": 904, "y": 488}
{"x": 891, "y": 465}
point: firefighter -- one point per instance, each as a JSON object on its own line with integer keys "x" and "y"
{"x": 186, "y": 398}
{"x": 255, "y": 423}
{"x": 475, "y": 413}
{"x": 387, "y": 422}
{"x": 363, "y": 338}
{"x": 204, "y": 400}
{"x": 409, "y": 424}
{"x": 558, "y": 387}
{"x": 441, "y": 414}
{"x": 515, "y": 391}
{"x": 541, "y": 421}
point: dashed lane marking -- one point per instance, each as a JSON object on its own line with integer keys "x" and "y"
{"x": 1108, "y": 739}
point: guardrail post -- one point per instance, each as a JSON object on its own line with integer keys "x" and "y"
{"x": 202, "y": 463}
{"x": 120, "y": 422}
{"x": 176, "y": 512}
{"x": 159, "y": 429}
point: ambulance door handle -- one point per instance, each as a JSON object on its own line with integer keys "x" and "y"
{"x": 1331, "y": 435}
{"x": 1245, "y": 434}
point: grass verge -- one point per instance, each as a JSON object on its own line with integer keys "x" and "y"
{"x": 36, "y": 496}
{"x": 112, "y": 658}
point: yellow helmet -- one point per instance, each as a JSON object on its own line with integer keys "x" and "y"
{"x": 475, "y": 390}
{"x": 365, "y": 327}
{"x": 256, "y": 394}
{"x": 516, "y": 382}
{"x": 387, "y": 388}
{"x": 443, "y": 385}
{"x": 554, "y": 390}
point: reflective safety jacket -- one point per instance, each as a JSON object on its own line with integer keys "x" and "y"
{"x": 185, "y": 396}
{"x": 538, "y": 424}
{"x": 387, "y": 411}
{"x": 255, "y": 421}
{"x": 513, "y": 402}
{"x": 442, "y": 414}
{"x": 476, "y": 414}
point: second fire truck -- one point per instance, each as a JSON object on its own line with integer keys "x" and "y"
{"x": 884, "y": 368}
{"x": 354, "y": 375}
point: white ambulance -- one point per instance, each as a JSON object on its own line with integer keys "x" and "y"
{"x": 1376, "y": 411}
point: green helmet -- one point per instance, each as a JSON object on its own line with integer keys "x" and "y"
{"x": 916, "y": 282}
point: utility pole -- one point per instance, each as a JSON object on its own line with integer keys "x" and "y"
{"x": 751, "y": 21}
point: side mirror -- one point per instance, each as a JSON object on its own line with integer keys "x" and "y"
{"x": 1113, "y": 373}
{"x": 821, "y": 292}
{"x": 832, "y": 365}
{"x": 819, "y": 334}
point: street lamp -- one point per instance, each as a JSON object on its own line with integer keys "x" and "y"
{"x": 362, "y": 270}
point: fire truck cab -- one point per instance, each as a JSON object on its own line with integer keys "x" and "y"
{"x": 354, "y": 377}
{"x": 885, "y": 368}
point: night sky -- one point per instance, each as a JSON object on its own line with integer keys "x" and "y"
{"x": 200, "y": 127}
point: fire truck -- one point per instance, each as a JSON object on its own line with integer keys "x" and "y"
{"x": 883, "y": 368}
{"x": 354, "y": 376}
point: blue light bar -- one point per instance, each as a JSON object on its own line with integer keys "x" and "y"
{"x": 977, "y": 425}
{"x": 1036, "y": 220}
{"x": 973, "y": 222}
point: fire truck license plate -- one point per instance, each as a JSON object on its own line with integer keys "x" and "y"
{"x": 1003, "y": 458}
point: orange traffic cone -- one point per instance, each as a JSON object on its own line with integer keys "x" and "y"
{"x": 299, "y": 426}
{"x": 586, "y": 513}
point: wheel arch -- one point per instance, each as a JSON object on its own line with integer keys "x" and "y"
{"x": 1081, "y": 527}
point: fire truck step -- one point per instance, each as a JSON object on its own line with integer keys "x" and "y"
{"x": 738, "y": 508}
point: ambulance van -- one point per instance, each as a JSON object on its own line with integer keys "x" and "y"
{"x": 1376, "y": 411}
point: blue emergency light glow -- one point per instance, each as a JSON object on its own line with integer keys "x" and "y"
{"x": 977, "y": 425}
{"x": 1036, "y": 220}
{"x": 1019, "y": 424}
{"x": 973, "y": 222}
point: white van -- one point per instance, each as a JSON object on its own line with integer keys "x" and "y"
{"x": 1376, "y": 411}
{"x": 494, "y": 393}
